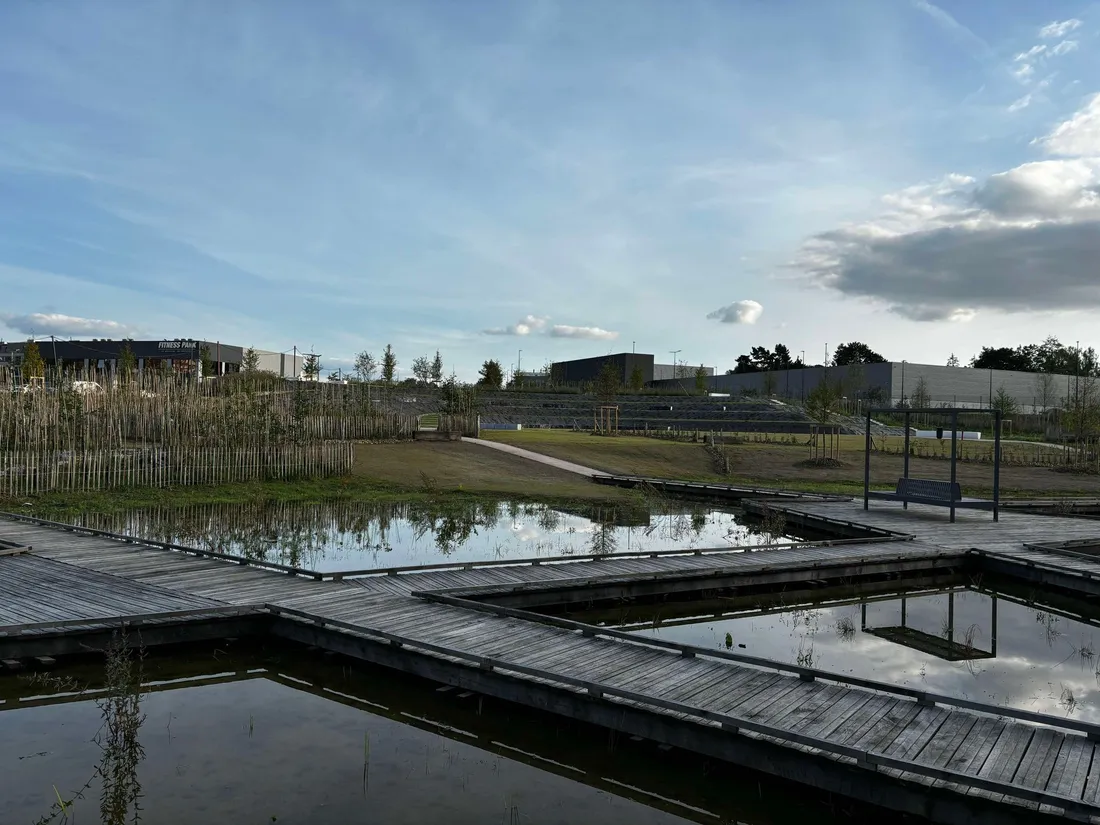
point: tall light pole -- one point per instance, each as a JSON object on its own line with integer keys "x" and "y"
{"x": 519, "y": 362}
{"x": 802, "y": 377}
{"x": 675, "y": 366}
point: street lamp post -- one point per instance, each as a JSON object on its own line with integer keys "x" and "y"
{"x": 802, "y": 377}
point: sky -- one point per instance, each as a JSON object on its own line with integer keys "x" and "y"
{"x": 560, "y": 178}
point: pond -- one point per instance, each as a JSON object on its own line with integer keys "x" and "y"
{"x": 232, "y": 734}
{"x": 960, "y": 641}
{"x": 341, "y": 535}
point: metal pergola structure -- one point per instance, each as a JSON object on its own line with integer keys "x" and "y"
{"x": 943, "y": 646}
{"x": 952, "y": 501}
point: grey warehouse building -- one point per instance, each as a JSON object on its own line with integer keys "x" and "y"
{"x": 896, "y": 381}
{"x": 99, "y": 358}
{"x": 582, "y": 370}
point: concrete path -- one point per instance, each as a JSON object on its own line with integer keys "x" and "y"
{"x": 568, "y": 466}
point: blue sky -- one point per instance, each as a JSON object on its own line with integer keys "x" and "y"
{"x": 564, "y": 178}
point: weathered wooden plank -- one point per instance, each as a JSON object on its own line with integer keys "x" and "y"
{"x": 1037, "y": 764}
{"x": 917, "y": 733}
{"x": 941, "y": 749}
{"x": 1071, "y": 768}
{"x": 882, "y": 735}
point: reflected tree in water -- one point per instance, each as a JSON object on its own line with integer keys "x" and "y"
{"x": 604, "y": 539}
{"x": 121, "y": 750}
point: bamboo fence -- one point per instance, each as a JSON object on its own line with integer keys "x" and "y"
{"x": 158, "y": 431}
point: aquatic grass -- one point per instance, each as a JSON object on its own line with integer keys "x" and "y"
{"x": 845, "y": 628}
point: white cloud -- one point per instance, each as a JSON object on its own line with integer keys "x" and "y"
{"x": 739, "y": 312}
{"x": 1058, "y": 29}
{"x": 525, "y": 326}
{"x": 1080, "y": 135}
{"x": 1065, "y": 47}
{"x": 1034, "y": 51}
{"x": 1020, "y": 103}
{"x": 589, "y": 333}
{"x": 532, "y": 324}
{"x": 52, "y": 323}
{"x": 1023, "y": 240}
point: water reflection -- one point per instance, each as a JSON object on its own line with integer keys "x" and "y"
{"x": 1016, "y": 649}
{"x": 238, "y": 734}
{"x": 115, "y": 777}
{"x": 345, "y": 535}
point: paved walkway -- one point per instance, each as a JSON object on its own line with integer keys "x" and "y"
{"x": 568, "y": 466}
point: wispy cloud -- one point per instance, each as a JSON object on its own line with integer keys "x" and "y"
{"x": 52, "y": 323}
{"x": 739, "y": 312}
{"x": 1026, "y": 63}
{"x": 1059, "y": 28}
{"x": 953, "y": 26}
{"x": 534, "y": 324}
{"x": 588, "y": 333}
{"x": 529, "y": 324}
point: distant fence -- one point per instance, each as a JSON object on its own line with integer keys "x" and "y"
{"x": 26, "y": 472}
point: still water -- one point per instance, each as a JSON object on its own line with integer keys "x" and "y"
{"x": 284, "y": 737}
{"x": 959, "y": 642}
{"x": 341, "y": 535}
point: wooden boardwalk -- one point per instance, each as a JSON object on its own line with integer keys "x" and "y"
{"x": 888, "y": 745}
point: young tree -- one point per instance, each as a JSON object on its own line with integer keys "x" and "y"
{"x": 389, "y": 364}
{"x": 822, "y": 402}
{"x": 422, "y": 369}
{"x": 856, "y": 352}
{"x": 1045, "y": 391}
{"x": 365, "y": 366}
{"x": 33, "y": 365}
{"x": 637, "y": 379}
{"x": 207, "y": 363}
{"x": 492, "y": 375}
{"x": 701, "y": 380}
{"x": 127, "y": 363}
{"x": 1004, "y": 402}
{"x": 607, "y": 384}
{"x": 311, "y": 367}
{"x": 437, "y": 368}
{"x": 921, "y": 398}
{"x": 250, "y": 362}
{"x": 456, "y": 398}
{"x": 953, "y": 361}
{"x": 769, "y": 383}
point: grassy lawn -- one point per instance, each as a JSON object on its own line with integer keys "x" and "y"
{"x": 782, "y": 464}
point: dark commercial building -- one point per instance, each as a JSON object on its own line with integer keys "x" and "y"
{"x": 583, "y": 370}
{"x": 95, "y": 359}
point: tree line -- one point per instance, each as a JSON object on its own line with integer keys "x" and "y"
{"x": 1050, "y": 356}
{"x": 762, "y": 359}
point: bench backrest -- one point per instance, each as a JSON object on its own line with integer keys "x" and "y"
{"x": 929, "y": 489}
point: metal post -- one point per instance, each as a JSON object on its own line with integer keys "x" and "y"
{"x": 954, "y": 458}
{"x": 951, "y": 616}
{"x": 863, "y": 617}
{"x": 905, "y": 472}
{"x": 996, "y": 464}
{"x": 903, "y": 611}
{"x": 867, "y": 463}
{"x": 993, "y": 630}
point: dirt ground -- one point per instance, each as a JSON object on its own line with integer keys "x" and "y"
{"x": 454, "y": 465}
{"x": 778, "y": 465}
